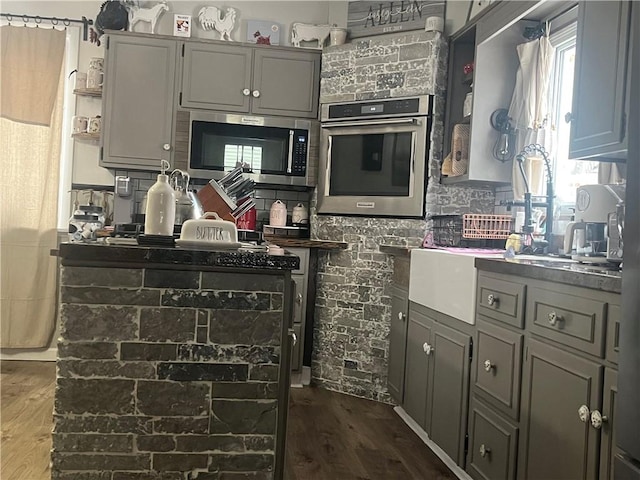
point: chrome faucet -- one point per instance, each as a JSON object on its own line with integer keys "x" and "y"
{"x": 528, "y": 202}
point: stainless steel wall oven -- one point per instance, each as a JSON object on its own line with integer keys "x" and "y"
{"x": 373, "y": 157}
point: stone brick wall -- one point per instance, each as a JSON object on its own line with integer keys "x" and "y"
{"x": 167, "y": 374}
{"x": 351, "y": 329}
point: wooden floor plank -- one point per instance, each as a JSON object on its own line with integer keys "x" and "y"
{"x": 331, "y": 436}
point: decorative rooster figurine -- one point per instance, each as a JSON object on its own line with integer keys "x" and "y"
{"x": 211, "y": 18}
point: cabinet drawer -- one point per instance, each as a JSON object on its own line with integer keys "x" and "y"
{"x": 613, "y": 333}
{"x": 571, "y": 320}
{"x": 498, "y": 364}
{"x": 303, "y": 253}
{"x": 501, "y": 300}
{"x": 493, "y": 445}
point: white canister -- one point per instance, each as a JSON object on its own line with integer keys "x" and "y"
{"x": 278, "y": 214}
{"x": 434, "y": 24}
{"x": 300, "y": 215}
{"x": 337, "y": 36}
{"x": 94, "y": 125}
{"x": 79, "y": 124}
{"x": 95, "y": 74}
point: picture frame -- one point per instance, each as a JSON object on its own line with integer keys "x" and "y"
{"x": 263, "y": 32}
{"x": 182, "y": 25}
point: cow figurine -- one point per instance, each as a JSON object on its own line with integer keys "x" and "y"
{"x": 308, "y": 33}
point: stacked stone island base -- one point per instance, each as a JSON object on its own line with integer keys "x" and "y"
{"x": 175, "y": 369}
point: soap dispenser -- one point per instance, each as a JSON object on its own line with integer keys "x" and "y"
{"x": 160, "y": 211}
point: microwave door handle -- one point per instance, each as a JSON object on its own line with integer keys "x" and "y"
{"x": 328, "y": 169}
{"x": 367, "y": 123}
{"x": 290, "y": 157}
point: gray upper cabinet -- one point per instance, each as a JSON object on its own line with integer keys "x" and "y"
{"x": 397, "y": 342}
{"x": 598, "y": 125}
{"x": 246, "y": 79}
{"x": 447, "y": 401}
{"x": 217, "y": 77}
{"x": 557, "y": 441}
{"x": 286, "y": 83}
{"x": 138, "y": 101}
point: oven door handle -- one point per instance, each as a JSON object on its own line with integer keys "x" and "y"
{"x": 328, "y": 169}
{"x": 290, "y": 157}
{"x": 367, "y": 123}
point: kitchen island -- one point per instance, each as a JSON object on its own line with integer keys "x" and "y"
{"x": 172, "y": 363}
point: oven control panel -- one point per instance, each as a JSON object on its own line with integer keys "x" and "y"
{"x": 375, "y": 108}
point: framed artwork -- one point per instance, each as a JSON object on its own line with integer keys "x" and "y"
{"x": 367, "y": 18}
{"x": 182, "y": 25}
{"x": 263, "y": 32}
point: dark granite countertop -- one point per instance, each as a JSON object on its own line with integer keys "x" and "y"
{"x": 397, "y": 250}
{"x": 97, "y": 253}
{"x": 572, "y": 273}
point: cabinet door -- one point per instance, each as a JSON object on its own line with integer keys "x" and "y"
{"x": 397, "y": 342}
{"x": 298, "y": 298}
{"x": 138, "y": 101}
{"x": 216, "y": 77}
{"x": 608, "y": 448}
{"x": 598, "y": 111}
{"x": 296, "y": 355}
{"x": 448, "y": 397}
{"x": 286, "y": 83}
{"x": 556, "y": 442}
{"x": 416, "y": 374}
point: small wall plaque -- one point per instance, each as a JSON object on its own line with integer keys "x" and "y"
{"x": 182, "y": 25}
{"x": 367, "y": 18}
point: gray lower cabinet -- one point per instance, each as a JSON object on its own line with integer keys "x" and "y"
{"x": 138, "y": 101}
{"x": 416, "y": 382}
{"x": 300, "y": 279}
{"x": 448, "y": 395}
{"x": 248, "y": 79}
{"x": 493, "y": 444}
{"x": 559, "y": 391}
{"x": 600, "y": 91}
{"x": 398, "y": 342}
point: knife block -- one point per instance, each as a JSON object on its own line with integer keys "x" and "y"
{"x": 214, "y": 199}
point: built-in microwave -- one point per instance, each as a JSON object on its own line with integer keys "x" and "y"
{"x": 272, "y": 150}
{"x": 373, "y": 157}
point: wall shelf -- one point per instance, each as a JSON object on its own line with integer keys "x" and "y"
{"x": 88, "y": 92}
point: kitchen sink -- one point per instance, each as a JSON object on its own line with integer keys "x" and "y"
{"x": 445, "y": 281}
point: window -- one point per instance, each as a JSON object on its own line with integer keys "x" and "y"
{"x": 568, "y": 174}
{"x": 245, "y": 155}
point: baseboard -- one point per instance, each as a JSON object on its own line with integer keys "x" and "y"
{"x": 457, "y": 471}
{"x": 35, "y": 355}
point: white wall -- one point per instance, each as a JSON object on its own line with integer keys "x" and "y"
{"x": 85, "y": 165}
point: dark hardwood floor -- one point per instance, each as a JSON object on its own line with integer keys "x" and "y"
{"x": 331, "y": 436}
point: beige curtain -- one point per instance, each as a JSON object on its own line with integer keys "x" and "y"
{"x": 30, "y": 156}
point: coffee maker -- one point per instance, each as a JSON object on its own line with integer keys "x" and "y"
{"x": 594, "y": 203}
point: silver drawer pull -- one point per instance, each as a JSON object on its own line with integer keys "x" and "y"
{"x": 488, "y": 366}
{"x": 246, "y": 92}
{"x": 484, "y": 450}
{"x": 584, "y": 413}
{"x": 428, "y": 349}
{"x": 597, "y": 419}
{"x": 294, "y": 337}
{"x": 299, "y": 298}
{"x": 554, "y": 318}
{"x": 401, "y": 316}
{"x": 492, "y": 299}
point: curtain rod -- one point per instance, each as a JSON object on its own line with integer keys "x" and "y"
{"x": 37, "y": 19}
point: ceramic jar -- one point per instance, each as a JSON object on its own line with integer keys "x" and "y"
{"x": 300, "y": 215}
{"x": 278, "y": 214}
{"x": 95, "y": 73}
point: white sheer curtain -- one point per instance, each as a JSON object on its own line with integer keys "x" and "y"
{"x": 30, "y": 134}
{"x": 528, "y": 110}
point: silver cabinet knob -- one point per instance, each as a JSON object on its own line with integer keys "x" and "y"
{"x": 166, "y": 147}
{"x": 299, "y": 298}
{"x": 246, "y": 92}
{"x": 492, "y": 299}
{"x": 584, "y": 413}
{"x": 488, "y": 366}
{"x": 401, "y": 316}
{"x": 256, "y": 93}
{"x": 484, "y": 450}
{"x": 597, "y": 419}
{"x": 428, "y": 349}
{"x": 554, "y": 318}
{"x": 568, "y": 117}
